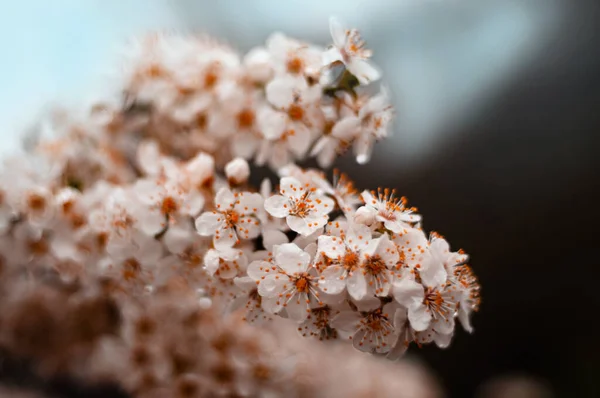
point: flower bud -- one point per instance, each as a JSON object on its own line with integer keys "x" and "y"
{"x": 364, "y": 216}
{"x": 237, "y": 171}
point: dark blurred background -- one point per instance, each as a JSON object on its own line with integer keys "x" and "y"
{"x": 497, "y": 145}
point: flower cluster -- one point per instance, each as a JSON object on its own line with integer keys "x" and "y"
{"x": 151, "y": 191}
{"x": 278, "y": 104}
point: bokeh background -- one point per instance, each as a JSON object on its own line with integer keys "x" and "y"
{"x": 496, "y": 142}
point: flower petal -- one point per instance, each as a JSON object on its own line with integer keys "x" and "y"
{"x": 407, "y": 292}
{"x": 419, "y": 316}
{"x": 330, "y": 281}
{"x": 338, "y": 32}
{"x": 277, "y": 206}
{"x": 209, "y": 223}
{"x": 357, "y": 285}
{"x": 291, "y": 258}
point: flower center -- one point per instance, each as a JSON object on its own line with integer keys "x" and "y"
{"x": 294, "y": 65}
{"x": 131, "y": 267}
{"x": 350, "y": 260}
{"x": 295, "y": 112}
{"x": 246, "y": 118}
{"x": 374, "y": 265}
{"x": 168, "y": 206}
{"x": 377, "y": 321}
{"x": 201, "y": 121}
{"x": 211, "y": 78}
{"x": 231, "y": 218}
{"x": 36, "y": 202}
{"x": 302, "y": 283}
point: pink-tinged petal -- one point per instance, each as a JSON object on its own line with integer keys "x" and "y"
{"x": 245, "y": 283}
{"x": 360, "y": 341}
{"x": 228, "y": 271}
{"x": 209, "y": 223}
{"x": 148, "y": 191}
{"x": 193, "y": 203}
{"x": 338, "y": 32}
{"x": 299, "y": 225}
{"x": 419, "y": 316}
{"x": 259, "y": 269}
{"x": 408, "y": 292}
{"x": 280, "y": 156}
{"x": 363, "y": 148}
{"x": 399, "y": 348}
{"x": 357, "y": 285}
{"x": 386, "y": 249}
{"x": 271, "y": 286}
{"x": 224, "y": 199}
{"x": 311, "y": 249}
{"x": 368, "y": 198}
{"x": 395, "y": 226}
{"x": 347, "y": 128}
{"x": 297, "y": 307}
{"x": 249, "y": 229}
{"x": 465, "y": 319}
{"x": 291, "y": 258}
{"x": 330, "y": 281}
{"x": 291, "y": 187}
{"x": 433, "y": 273}
{"x": 332, "y": 246}
{"x": 244, "y": 145}
{"x": 408, "y": 217}
{"x": 357, "y": 237}
{"x": 346, "y": 320}
{"x": 272, "y": 124}
{"x": 280, "y": 92}
{"x": 230, "y": 254}
{"x": 442, "y": 340}
{"x": 324, "y": 205}
{"x": 299, "y": 142}
{"x": 329, "y": 57}
{"x": 278, "y": 45}
{"x": 249, "y": 203}
{"x": 364, "y": 71}
{"x": 365, "y": 215}
{"x": 368, "y": 303}
{"x": 277, "y": 206}
{"x": 211, "y": 261}
{"x": 400, "y": 318}
{"x": 444, "y": 325}
{"x": 273, "y": 237}
{"x": 151, "y": 222}
{"x": 226, "y": 238}
{"x": 272, "y": 305}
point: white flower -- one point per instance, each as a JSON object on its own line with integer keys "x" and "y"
{"x": 363, "y": 265}
{"x": 225, "y": 262}
{"x": 391, "y": 211}
{"x": 345, "y": 252}
{"x": 373, "y": 330}
{"x": 318, "y": 324}
{"x": 288, "y": 129}
{"x": 470, "y": 300}
{"x": 343, "y": 191}
{"x": 237, "y": 171}
{"x": 249, "y": 298}
{"x": 235, "y": 217}
{"x": 349, "y": 48}
{"x": 374, "y": 118}
{"x": 289, "y": 283}
{"x": 161, "y": 199}
{"x": 427, "y": 305}
{"x": 304, "y": 208}
{"x": 292, "y": 56}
